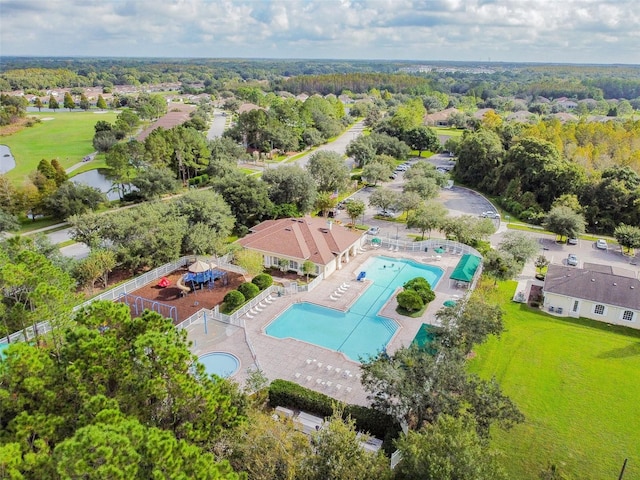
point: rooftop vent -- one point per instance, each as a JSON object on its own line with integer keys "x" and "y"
{"x": 593, "y": 279}
{"x": 615, "y": 284}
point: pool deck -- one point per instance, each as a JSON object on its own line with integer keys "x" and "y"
{"x": 318, "y": 368}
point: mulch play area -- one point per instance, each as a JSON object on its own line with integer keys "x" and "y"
{"x": 190, "y": 303}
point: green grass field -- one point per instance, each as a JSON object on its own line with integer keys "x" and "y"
{"x": 576, "y": 381}
{"x": 67, "y": 137}
{"x": 448, "y": 131}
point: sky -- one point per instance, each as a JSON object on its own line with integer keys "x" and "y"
{"x": 558, "y": 31}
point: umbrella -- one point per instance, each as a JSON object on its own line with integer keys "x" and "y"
{"x": 449, "y": 303}
{"x": 376, "y": 240}
{"x": 199, "y": 267}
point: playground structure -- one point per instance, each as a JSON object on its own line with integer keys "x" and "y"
{"x": 139, "y": 304}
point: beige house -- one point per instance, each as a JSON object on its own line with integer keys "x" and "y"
{"x": 287, "y": 243}
{"x": 594, "y": 292}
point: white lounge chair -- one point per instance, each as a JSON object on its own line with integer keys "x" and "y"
{"x": 297, "y": 375}
{"x": 328, "y": 385}
{"x": 329, "y": 368}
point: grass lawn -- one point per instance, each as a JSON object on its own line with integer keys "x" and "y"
{"x": 448, "y": 131}
{"x": 67, "y": 137}
{"x": 576, "y": 381}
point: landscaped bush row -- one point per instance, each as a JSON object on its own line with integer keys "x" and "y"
{"x": 246, "y": 291}
{"x": 199, "y": 180}
{"x": 288, "y": 394}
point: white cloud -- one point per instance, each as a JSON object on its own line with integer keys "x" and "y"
{"x": 603, "y": 31}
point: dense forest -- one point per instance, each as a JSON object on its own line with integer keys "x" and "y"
{"x": 485, "y": 80}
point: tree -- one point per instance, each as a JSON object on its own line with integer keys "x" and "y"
{"x": 355, "y": 209}
{"x": 146, "y": 236}
{"x": 247, "y": 196}
{"x": 292, "y": 185}
{"x": 416, "y": 386}
{"x": 426, "y": 217}
{"x": 564, "y": 222}
{"x": 409, "y": 201}
{"x": 127, "y": 121}
{"x": 124, "y": 408}
{"x": 328, "y": 170}
{"x": 8, "y": 222}
{"x": 84, "y": 102}
{"x": 87, "y": 228}
{"x": 100, "y": 103}
{"x": 308, "y": 268}
{"x": 469, "y": 322}
{"x": 38, "y": 104}
{"x": 325, "y": 202}
{"x": 338, "y": 454}
{"x": 123, "y": 160}
{"x": 628, "y": 236}
{"x": 53, "y": 103}
{"x": 479, "y": 155}
{"x": 426, "y": 187}
{"x": 422, "y": 139}
{"x": 521, "y": 246}
{"x": 104, "y": 140}
{"x": 74, "y": 199}
{"x": 374, "y": 172}
{"x": 97, "y": 266}
{"x": 384, "y": 199}
{"x": 153, "y": 182}
{"x": 60, "y": 175}
{"x": 422, "y": 287}
{"x": 541, "y": 262}
{"x": 250, "y": 261}
{"x": 410, "y": 300}
{"x": 500, "y": 265}
{"x": 467, "y": 229}
{"x": 68, "y": 101}
{"x": 448, "y": 449}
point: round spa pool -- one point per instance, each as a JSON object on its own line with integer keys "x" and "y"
{"x": 221, "y": 364}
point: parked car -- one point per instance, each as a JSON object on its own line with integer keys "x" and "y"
{"x": 601, "y": 243}
{"x": 373, "y": 230}
{"x": 572, "y": 260}
{"x": 572, "y": 241}
{"x": 490, "y": 214}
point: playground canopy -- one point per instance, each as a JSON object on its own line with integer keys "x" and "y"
{"x": 466, "y": 268}
{"x": 199, "y": 267}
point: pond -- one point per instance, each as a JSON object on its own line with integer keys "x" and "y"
{"x": 93, "y": 178}
{"x": 7, "y": 162}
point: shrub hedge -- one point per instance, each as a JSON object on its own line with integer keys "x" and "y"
{"x": 249, "y": 290}
{"x": 291, "y": 395}
{"x": 233, "y": 300}
{"x": 262, "y": 280}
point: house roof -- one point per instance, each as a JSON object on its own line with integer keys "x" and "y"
{"x": 307, "y": 238}
{"x": 596, "y": 285}
{"x": 439, "y": 116}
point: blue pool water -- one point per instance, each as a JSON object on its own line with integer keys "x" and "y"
{"x": 220, "y": 363}
{"x": 359, "y": 332}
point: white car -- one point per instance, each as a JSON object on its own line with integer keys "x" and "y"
{"x": 490, "y": 214}
{"x": 572, "y": 241}
{"x": 572, "y": 260}
{"x": 601, "y": 243}
{"x": 373, "y": 230}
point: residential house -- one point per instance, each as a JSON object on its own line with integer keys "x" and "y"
{"x": 289, "y": 242}
{"x": 594, "y": 292}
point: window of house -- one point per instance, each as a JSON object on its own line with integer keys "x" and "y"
{"x": 575, "y": 305}
{"x": 627, "y": 315}
{"x": 599, "y": 309}
{"x": 293, "y": 265}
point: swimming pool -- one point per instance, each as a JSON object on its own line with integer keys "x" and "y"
{"x": 360, "y": 332}
{"x": 222, "y": 364}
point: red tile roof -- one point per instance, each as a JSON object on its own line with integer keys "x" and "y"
{"x": 308, "y": 238}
